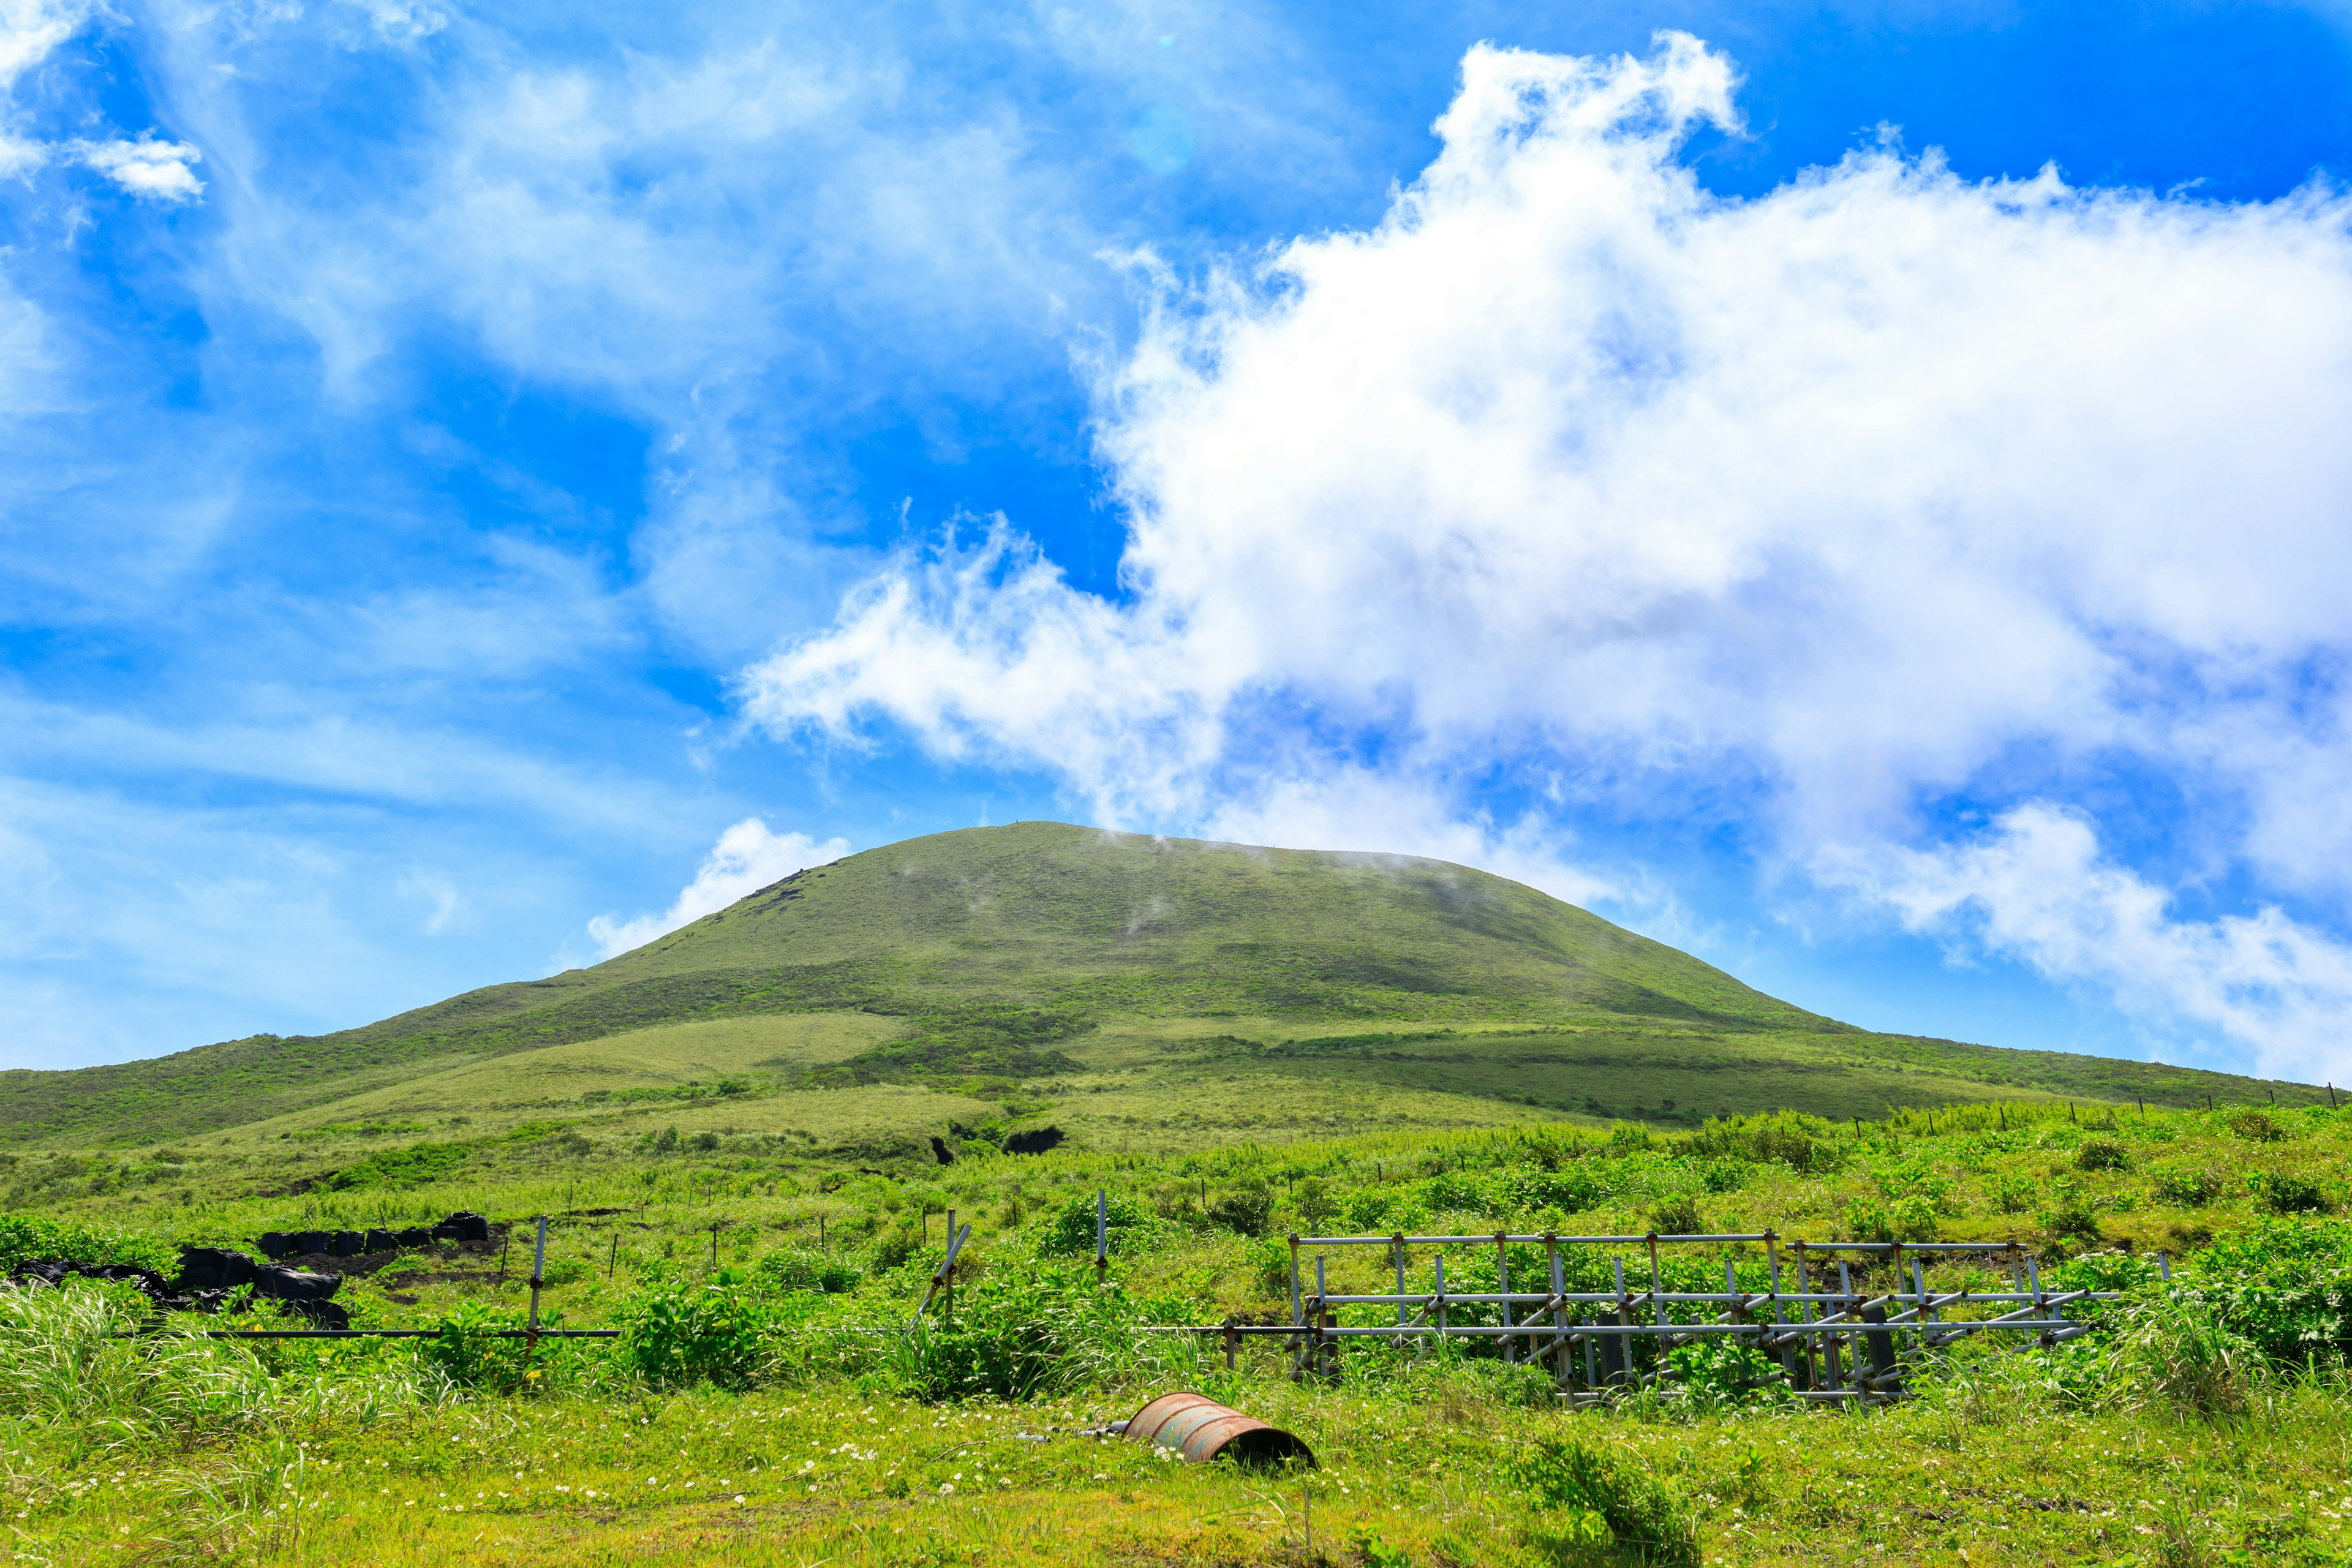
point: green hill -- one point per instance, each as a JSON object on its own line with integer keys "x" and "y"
{"x": 1207, "y": 990}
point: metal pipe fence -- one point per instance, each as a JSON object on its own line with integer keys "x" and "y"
{"x": 1821, "y": 1335}
{"x": 1828, "y": 1341}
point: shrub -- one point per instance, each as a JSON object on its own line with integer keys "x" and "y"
{"x": 1724, "y": 1176}
{"x": 23, "y": 1237}
{"x": 796, "y": 1268}
{"x": 2256, "y": 1127}
{"x": 468, "y": 1348}
{"x": 1678, "y": 1215}
{"x": 2286, "y": 1283}
{"x": 2174, "y": 1349}
{"x": 2186, "y": 1188}
{"x": 1722, "y": 1372}
{"x": 678, "y": 1333}
{"x": 1571, "y": 1188}
{"x": 1131, "y": 1226}
{"x": 2283, "y": 1193}
{"x": 2072, "y": 1215}
{"x": 2103, "y": 1154}
{"x": 1315, "y": 1201}
{"x": 1245, "y": 1210}
{"x": 1564, "y": 1474}
{"x": 1018, "y": 1334}
{"x": 1910, "y": 1218}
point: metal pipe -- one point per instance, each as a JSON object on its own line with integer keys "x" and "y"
{"x": 538, "y": 1273}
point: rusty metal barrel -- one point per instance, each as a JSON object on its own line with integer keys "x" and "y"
{"x": 1201, "y": 1429}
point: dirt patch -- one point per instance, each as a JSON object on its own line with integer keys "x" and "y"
{"x": 452, "y": 1277}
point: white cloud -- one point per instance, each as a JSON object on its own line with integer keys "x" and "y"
{"x": 747, "y": 858}
{"x": 153, "y": 170}
{"x": 2037, "y": 889}
{"x": 1885, "y": 486}
{"x": 30, "y": 32}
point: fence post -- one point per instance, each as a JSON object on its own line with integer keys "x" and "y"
{"x": 1806, "y": 1347}
{"x": 1327, "y": 1348}
{"x": 1233, "y": 1341}
{"x": 1102, "y": 1236}
{"x": 1297, "y": 1317}
{"x": 1559, "y": 1313}
{"x": 1503, "y": 1288}
{"x": 538, "y": 1276}
{"x": 1398, "y": 1254}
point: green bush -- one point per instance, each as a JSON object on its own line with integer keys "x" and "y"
{"x": 2103, "y": 1154}
{"x": 2186, "y": 1188}
{"x": 1246, "y": 1210}
{"x": 1723, "y": 1373}
{"x": 1132, "y": 1227}
{"x": 1566, "y": 1475}
{"x": 1018, "y": 1334}
{"x": 2286, "y": 1283}
{"x": 2284, "y": 1192}
{"x": 680, "y": 1332}
{"x": 796, "y": 1268}
{"x": 2256, "y": 1127}
{"x": 468, "y": 1348}
{"x": 1678, "y": 1215}
{"x": 23, "y": 1237}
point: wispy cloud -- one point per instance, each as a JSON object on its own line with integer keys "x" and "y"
{"x": 747, "y": 858}
{"x": 2036, "y": 888}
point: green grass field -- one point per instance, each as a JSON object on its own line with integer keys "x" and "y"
{"x": 796, "y": 1439}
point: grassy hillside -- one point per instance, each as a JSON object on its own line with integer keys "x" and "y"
{"x": 1037, "y": 964}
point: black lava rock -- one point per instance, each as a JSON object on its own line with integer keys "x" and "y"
{"x": 213, "y": 1268}
{"x": 278, "y": 1283}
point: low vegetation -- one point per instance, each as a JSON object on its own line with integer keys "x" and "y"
{"x": 766, "y": 1400}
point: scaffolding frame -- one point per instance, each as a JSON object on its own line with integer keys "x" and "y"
{"x": 1832, "y": 1344}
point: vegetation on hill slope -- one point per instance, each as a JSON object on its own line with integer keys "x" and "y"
{"x": 1044, "y": 952}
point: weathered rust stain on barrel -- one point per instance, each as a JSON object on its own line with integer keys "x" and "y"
{"x": 1202, "y": 1430}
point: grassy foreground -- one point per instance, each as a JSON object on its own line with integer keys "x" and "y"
{"x": 752, "y": 1414}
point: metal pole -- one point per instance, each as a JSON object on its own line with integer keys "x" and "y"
{"x": 1327, "y": 1348}
{"x": 1402, "y": 1316}
{"x": 1297, "y": 1315}
{"x": 538, "y": 1274}
{"x": 1503, "y": 1287}
{"x": 1559, "y": 1315}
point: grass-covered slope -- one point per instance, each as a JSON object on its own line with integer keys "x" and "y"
{"x": 1047, "y": 952}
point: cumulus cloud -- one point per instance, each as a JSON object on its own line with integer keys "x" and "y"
{"x": 747, "y": 858}
{"x": 1883, "y": 488}
{"x": 153, "y": 170}
{"x": 2037, "y": 889}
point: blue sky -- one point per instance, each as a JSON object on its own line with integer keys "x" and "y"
{"x": 1854, "y": 491}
